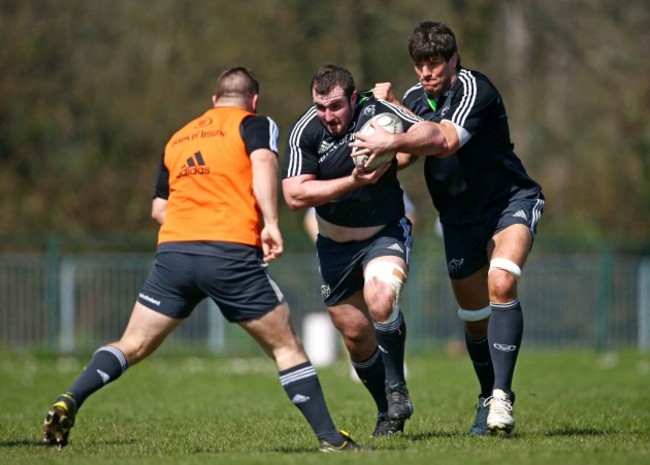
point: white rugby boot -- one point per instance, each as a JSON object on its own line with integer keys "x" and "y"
{"x": 500, "y": 412}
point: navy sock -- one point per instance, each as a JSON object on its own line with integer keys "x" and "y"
{"x": 505, "y": 331}
{"x": 391, "y": 339}
{"x": 479, "y": 354}
{"x": 106, "y": 365}
{"x": 304, "y": 390}
{"x": 372, "y": 374}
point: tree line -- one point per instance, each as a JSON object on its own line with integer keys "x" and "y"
{"x": 90, "y": 91}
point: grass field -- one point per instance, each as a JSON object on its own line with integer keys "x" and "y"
{"x": 574, "y": 408}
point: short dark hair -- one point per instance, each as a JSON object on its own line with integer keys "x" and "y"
{"x": 237, "y": 81}
{"x": 330, "y": 76}
{"x": 430, "y": 40}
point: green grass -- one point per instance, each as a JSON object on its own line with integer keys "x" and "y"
{"x": 572, "y": 407}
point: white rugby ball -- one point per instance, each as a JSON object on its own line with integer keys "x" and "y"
{"x": 391, "y": 123}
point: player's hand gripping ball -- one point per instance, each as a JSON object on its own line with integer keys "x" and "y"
{"x": 390, "y": 123}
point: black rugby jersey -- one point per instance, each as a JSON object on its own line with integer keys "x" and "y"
{"x": 313, "y": 150}
{"x": 485, "y": 173}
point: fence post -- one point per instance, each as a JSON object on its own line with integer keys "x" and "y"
{"x": 604, "y": 298}
{"x": 644, "y": 304}
{"x": 53, "y": 254}
{"x": 67, "y": 310}
{"x": 414, "y": 314}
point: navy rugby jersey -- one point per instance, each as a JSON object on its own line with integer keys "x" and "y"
{"x": 483, "y": 174}
{"x": 313, "y": 150}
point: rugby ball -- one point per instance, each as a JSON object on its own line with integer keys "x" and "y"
{"x": 391, "y": 123}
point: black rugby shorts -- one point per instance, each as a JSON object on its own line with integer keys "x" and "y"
{"x": 466, "y": 244}
{"x": 238, "y": 282}
{"x": 342, "y": 263}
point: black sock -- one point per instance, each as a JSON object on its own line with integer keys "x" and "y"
{"x": 303, "y": 388}
{"x": 505, "y": 331}
{"x": 391, "y": 339}
{"x": 479, "y": 354}
{"x": 372, "y": 374}
{"x": 106, "y": 365}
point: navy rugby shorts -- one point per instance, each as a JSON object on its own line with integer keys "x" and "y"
{"x": 466, "y": 244}
{"x": 238, "y": 282}
{"x": 342, "y": 263}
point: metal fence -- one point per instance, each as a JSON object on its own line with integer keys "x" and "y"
{"x": 74, "y": 303}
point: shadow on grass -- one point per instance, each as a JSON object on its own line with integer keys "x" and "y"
{"x": 297, "y": 450}
{"x": 36, "y": 443}
{"x": 577, "y": 432}
{"x": 432, "y": 435}
{"x": 23, "y": 443}
{"x": 561, "y": 432}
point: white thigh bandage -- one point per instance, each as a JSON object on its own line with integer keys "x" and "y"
{"x": 506, "y": 265}
{"x": 387, "y": 272}
{"x": 474, "y": 315}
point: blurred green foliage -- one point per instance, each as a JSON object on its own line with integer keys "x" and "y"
{"x": 90, "y": 90}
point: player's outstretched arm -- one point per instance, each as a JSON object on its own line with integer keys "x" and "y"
{"x": 423, "y": 138}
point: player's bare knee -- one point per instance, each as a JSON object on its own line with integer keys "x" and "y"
{"x": 135, "y": 350}
{"x": 502, "y": 279}
{"x": 501, "y": 286}
{"x": 380, "y": 304}
{"x": 386, "y": 319}
{"x": 385, "y": 314}
{"x": 376, "y": 290}
{"x": 361, "y": 345}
